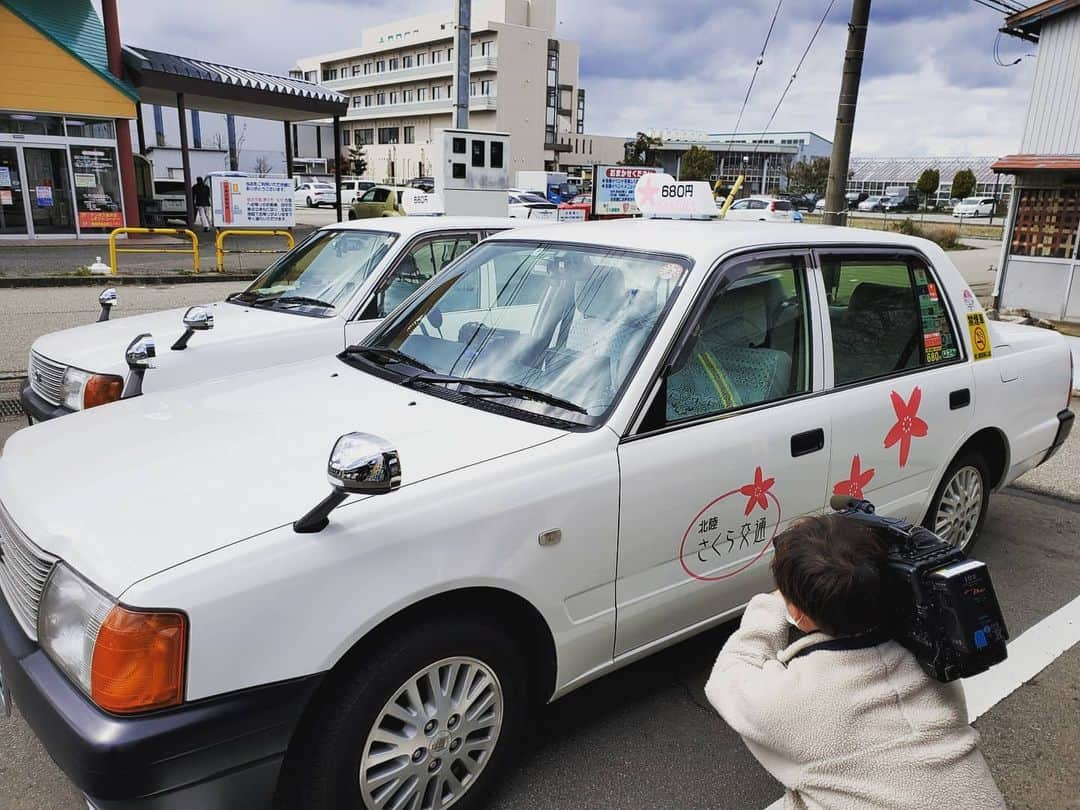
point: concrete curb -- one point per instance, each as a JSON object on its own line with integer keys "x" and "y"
{"x": 117, "y": 281}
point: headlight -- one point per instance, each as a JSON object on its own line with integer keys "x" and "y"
{"x": 81, "y": 389}
{"x": 126, "y": 660}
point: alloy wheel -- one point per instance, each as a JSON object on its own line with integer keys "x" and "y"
{"x": 960, "y": 507}
{"x": 433, "y": 738}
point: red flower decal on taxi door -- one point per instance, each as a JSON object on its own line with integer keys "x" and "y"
{"x": 756, "y": 492}
{"x": 859, "y": 478}
{"x": 908, "y": 423}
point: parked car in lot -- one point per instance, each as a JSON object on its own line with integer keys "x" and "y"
{"x": 876, "y": 203}
{"x": 853, "y": 198}
{"x": 329, "y": 290}
{"x": 352, "y": 190}
{"x": 974, "y": 207}
{"x": 763, "y": 209}
{"x": 802, "y": 202}
{"x": 315, "y": 194}
{"x": 901, "y": 203}
{"x": 379, "y": 201}
{"x": 529, "y": 205}
{"x": 570, "y": 449}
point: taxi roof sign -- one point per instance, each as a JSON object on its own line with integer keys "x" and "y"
{"x": 418, "y": 203}
{"x": 662, "y": 196}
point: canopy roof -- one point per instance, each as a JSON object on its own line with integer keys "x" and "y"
{"x": 1013, "y": 164}
{"x": 211, "y": 87}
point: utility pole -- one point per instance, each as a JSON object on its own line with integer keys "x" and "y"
{"x": 835, "y": 204}
{"x": 464, "y": 54}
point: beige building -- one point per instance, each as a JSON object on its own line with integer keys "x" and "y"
{"x": 523, "y": 81}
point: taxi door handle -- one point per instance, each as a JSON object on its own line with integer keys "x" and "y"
{"x": 959, "y": 399}
{"x": 807, "y": 442}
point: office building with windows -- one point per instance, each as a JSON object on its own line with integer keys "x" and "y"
{"x": 762, "y": 158}
{"x": 400, "y": 82}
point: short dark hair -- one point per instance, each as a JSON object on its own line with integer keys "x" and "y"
{"x": 831, "y": 568}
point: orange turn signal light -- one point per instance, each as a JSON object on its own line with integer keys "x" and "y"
{"x": 139, "y": 661}
{"x": 102, "y": 388}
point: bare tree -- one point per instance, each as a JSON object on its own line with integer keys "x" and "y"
{"x": 262, "y": 166}
{"x": 217, "y": 140}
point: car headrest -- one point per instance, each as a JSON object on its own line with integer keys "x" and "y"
{"x": 871, "y": 296}
{"x": 740, "y": 316}
{"x": 602, "y": 294}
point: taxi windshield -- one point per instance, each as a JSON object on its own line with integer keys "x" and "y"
{"x": 544, "y": 330}
{"x": 320, "y": 274}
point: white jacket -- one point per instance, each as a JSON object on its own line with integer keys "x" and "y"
{"x": 860, "y": 728}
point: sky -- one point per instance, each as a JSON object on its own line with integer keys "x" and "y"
{"x": 930, "y": 83}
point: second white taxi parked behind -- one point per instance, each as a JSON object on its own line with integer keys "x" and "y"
{"x": 326, "y": 293}
{"x": 570, "y": 449}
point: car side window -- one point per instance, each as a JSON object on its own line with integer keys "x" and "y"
{"x": 368, "y": 196}
{"x": 740, "y": 204}
{"x": 757, "y": 204}
{"x": 888, "y": 315}
{"x": 417, "y": 266}
{"x": 749, "y": 346}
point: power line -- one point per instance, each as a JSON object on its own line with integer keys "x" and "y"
{"x": 794, "y": 74}
{"x": 757, "y": 67}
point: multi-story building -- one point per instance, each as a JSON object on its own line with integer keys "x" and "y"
{"x": 400, "y": 80}
{"x": 763, "y": 159}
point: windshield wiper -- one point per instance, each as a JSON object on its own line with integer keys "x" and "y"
{"x": 246, "y": 296}
{"x": 388, "y": 354}
{"x": 300, "y": 300}
{"x": 500, "y": 387}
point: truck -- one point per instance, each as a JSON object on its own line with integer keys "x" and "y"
{"x": 553, "y": 185}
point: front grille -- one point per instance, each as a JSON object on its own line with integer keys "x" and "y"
{"x": 24, "y": 568}
{"x": 46, "y": 378}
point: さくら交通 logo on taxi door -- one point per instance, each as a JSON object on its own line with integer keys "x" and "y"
{"x": 732, "y": 532}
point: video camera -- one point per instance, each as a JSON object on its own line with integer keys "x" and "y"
{"x": 943, "y": 605}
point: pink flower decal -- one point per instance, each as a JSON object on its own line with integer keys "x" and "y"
{"x": 859, "y": 478}
{"x": 908, "y": 423}
{"x": 756, "y": 492}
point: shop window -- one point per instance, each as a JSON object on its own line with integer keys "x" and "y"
{"x": 31, "y": 124}
{"x": 97, "y": 188}
{"x": 90, "y": 128}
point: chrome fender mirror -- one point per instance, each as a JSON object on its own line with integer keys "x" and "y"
{"x": 138, "y": 355}
{"x": 359, "y": 464}
{"x": 196, "y": 319}
{"x": 108, "y": 300}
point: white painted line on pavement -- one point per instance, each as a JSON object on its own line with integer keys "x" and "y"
{"x": 1030, "y": 653}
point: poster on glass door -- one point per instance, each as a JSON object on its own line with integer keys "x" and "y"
{"x": 97, "y": 187}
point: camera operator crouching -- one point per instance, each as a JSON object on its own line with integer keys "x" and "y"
{"x": 838, "y": 712}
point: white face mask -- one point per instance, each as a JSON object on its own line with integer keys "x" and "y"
{"x": 790, "y": 620}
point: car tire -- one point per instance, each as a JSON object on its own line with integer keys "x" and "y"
{"x": 958, "y": 509}
{"x": 309, "y": 202}
{"x": 352, "y": 215}
{"x": 330, "y": 761}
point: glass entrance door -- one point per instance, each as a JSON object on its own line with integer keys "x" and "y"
{"x": 12, "y": 209}
{"x": 48, "y": 184}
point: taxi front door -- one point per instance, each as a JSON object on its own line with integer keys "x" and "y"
{"x": 733, "y": 446}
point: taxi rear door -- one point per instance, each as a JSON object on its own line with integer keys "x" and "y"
{"x": 901, "y": 388}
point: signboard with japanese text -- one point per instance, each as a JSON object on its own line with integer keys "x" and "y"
{"x": 97, "y": 188}
{"x": 613, "y": 189}
{"x": 252, "y": 202}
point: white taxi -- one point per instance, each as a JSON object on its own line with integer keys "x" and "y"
{"x": 571, "y": 448}
{"x": 325, "y": 294}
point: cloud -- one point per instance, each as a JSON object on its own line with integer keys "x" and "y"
{"x": 929, "y": 81}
